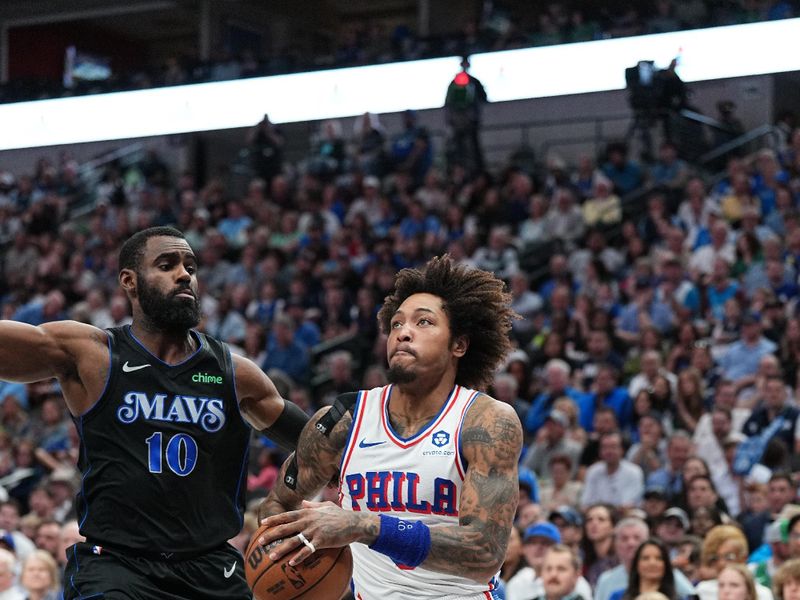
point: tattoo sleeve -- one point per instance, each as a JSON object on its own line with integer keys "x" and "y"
{"x": 491, "y": 440}
{"x": 318, "y": 459}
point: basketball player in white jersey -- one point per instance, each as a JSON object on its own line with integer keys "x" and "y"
{"x": 428, "y": 467}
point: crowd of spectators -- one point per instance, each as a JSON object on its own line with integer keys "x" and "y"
{"x": 499, "y": 26}
{"x": 654, "y": 371}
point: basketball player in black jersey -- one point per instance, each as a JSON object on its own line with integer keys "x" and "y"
{"x": 163, "y": 413}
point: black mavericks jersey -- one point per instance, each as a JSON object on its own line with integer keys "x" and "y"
{"x": 163, "y": 451}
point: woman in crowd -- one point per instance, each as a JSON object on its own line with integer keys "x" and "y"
{"x": 786, "y": 583}
{"x": 736, "y": 583}
{"x": 598, "y": 541}
{"x": 514, "y": 561}
{"x": 689, "y": 402}
{"x": 651, "y": 571}
{"x": 39, "y": 578}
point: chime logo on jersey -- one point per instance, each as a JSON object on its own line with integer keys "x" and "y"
{"x": 381, "y": 491}
{"x": 208, "y": 413}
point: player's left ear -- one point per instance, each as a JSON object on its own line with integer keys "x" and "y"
{"x": 460, "y": 346}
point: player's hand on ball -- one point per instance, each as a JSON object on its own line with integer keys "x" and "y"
{"x": 323, "y": 525}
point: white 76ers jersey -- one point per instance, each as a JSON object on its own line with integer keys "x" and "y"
{"x": 416, "y": 478}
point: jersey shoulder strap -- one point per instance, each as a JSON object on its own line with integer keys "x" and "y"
{"x": 343, "y": 404}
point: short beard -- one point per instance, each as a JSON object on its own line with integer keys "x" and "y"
{"x": 400, "y": 375}
{"x": 166, "y": 312}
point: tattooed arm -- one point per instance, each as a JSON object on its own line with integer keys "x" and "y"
{"x": 491, "y": 441}
{"x": 318, "y": 459}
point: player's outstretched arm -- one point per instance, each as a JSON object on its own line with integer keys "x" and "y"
{"x": 262, "y": 406}
{"x": 316, "y": 462}
{"x": 491, "y": 441}
{"x": 29, "y": 353}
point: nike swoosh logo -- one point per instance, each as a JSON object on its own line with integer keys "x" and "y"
{"x": 364, "y": 444}
{"x": 229, "y": 572}
{"x": 129, "y": 369}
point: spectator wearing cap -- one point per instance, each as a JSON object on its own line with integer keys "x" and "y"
{"x": 8, "y": 572}
{"x": 561, "y": 572}
{"x": 613, "y": 480}
{"x": 551, "y": 441}
{"x": 776, "y": 405}
{"x": 629, "y": 534}
{"x": 570, "y": 525}
{"x": 527, "y": 584}
{"x": 528, "y": 488}
{"x": 741, "y": 359}
{"x": 777, "y": 536}
{"x": 654, "y": 503}
{"x": 556, "y": 376}
{"x": 672, "y": 527}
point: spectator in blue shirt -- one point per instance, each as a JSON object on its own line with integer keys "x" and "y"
{"x": 623, "y": 173}
{"x": 606, "y": 391}
{"x": 285, "y": 353}
{"x": 36, "y": 312}
{"x": 741, "y": 359}
{"x": 556, "y": 374}
{"x": 644, "y": 308}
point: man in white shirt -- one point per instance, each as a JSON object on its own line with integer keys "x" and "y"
{"x": 613, "y": 480}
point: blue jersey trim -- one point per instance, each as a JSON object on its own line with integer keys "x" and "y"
{"x": 79, "y": 426}
{"x": 108, "y": 379}
{"x": 429, "y": 425}
{"x": 77, "y": 568}
{"x": 192, "y": 332}
{"x": 242, "y": 472}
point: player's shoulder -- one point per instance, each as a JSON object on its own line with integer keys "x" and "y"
{"x": 485, "y": 408}
{"x": 74, "y": 331}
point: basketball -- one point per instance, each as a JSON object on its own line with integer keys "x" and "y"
{"x": 325, "y": 575}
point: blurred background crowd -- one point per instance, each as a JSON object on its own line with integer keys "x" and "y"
{"x": 655, "y": 369}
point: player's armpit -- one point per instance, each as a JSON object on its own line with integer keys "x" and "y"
{"x": 318, "y": 457}
{"x": 491, "y": 441}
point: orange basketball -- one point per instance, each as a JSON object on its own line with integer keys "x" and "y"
{"x": 325, "y": 575}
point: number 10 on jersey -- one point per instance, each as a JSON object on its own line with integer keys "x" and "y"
{"x": 181, "y": 453}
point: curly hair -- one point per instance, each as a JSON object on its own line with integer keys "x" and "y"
{"x": 477, "y": 306}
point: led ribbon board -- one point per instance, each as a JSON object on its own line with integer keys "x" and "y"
{"x": 704, "y": 54}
